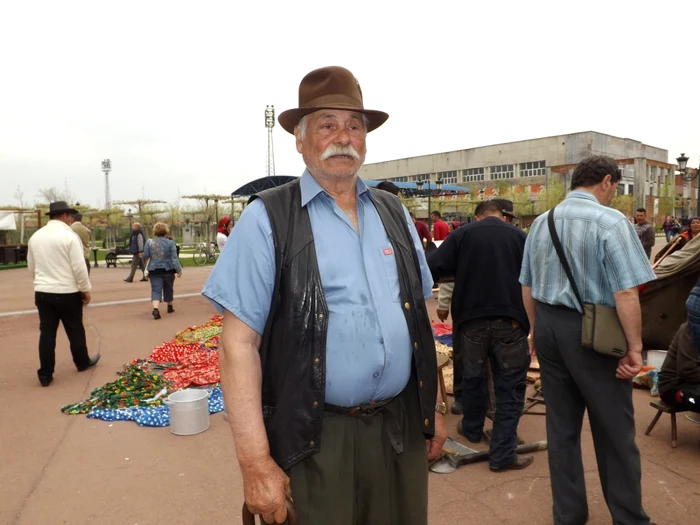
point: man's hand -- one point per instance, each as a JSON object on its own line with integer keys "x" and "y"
{"x": 86, "y": 298}
{"x": 179, "y": 275}
{"x": 442, "y": 315}
{"x": 265, "y": 488}
{"x": 438, "y": 440}
{"x": 531, "y": 342}
{"x": 630, "y": 365}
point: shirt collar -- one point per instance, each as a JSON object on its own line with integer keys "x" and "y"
{"x": 580, "y": 194}
{"x": 310, "y": 188}
{"x": 58, "y": 224}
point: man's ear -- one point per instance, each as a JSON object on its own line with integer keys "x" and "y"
{"x": 297, "y": 135}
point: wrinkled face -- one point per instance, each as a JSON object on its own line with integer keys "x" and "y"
{"x": 333, "y": 145}
{"x": 641, "y": 217}
{"x": 695, "y": 226}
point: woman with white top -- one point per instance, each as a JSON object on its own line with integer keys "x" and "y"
{"x": 222, "y": 232}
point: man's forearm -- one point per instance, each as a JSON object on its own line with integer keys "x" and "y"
{"x": 241, "y": 381}
{"x": 529, "y": 304}
{"x": 630, "y": 313}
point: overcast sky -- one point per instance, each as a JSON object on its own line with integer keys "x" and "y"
{"x": 174, "y": 93}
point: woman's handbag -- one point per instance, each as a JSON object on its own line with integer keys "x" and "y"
{"x": 600, "y": 327}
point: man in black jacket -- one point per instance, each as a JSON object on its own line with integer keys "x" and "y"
{"x": 491, "y": 324}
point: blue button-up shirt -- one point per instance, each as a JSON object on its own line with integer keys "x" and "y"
{"x": 602, "y": 249}
{"x": 368, "y": 348}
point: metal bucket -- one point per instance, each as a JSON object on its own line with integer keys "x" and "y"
{"x": 189, "y": 411}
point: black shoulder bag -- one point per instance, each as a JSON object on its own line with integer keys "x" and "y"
{"x": 600, "y": 327}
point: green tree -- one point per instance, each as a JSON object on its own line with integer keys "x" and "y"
{"x": 624, "y": 204}
{"x": 551, "y": 195}
{"x": 667, "y": 197}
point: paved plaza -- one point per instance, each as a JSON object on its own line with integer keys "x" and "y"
{"x": 60, "y": 469}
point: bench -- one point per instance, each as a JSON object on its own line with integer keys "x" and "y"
{"x": 663, "y": 408}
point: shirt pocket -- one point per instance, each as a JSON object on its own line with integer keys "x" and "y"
{"x": 388, "y": 258}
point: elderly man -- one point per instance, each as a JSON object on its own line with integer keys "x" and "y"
{"x": 84, "y": 233}
{"x": 607, "y": 264}
{"x": 136, "y": 244}
{"x": 61, "y": 288}
{"x": 328, "y": 363}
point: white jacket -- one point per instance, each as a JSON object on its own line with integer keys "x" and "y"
{"x": 55, "y": 258}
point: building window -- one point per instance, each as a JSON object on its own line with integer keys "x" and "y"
{"x": 630, "y": 189}
{"x": 504, "y": 171}
{"x": 532, "y": 169}
{"x": 448, "y": 177}
{"x": 399, "y": 179}
{"x": 416, "y": 178}
{"x": 473, "y": 175}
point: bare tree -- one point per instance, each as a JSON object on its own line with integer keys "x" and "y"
{"x": 19, "y": 196}
{"x": 53, "y": 194}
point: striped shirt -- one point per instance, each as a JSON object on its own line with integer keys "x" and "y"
{"x": 602, "y": 249}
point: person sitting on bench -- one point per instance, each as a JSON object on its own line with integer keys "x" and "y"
{"x": 679, "y": 378}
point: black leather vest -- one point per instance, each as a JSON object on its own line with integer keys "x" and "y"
{"x": 293, "y": 348}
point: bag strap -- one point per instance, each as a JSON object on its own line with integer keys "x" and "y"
{"x": 560, "y": 252}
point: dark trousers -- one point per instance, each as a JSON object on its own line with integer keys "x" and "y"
{"x": 136, "y": 263}
{"x": 575, "y": 379}
{"x": 87, "y": 263}
{"x": 67, "y": 309}
{"x": 681, "y": 396}
{"x": 458, "y": 367}
{"x": 162, "y": 286}
{"x": 357, "y": 478}
{"x": 501, "y": 342}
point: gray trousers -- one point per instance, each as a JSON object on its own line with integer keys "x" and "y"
{"x": 357, "y": 478}
{"x": 575, "y": 379}
{"x": 136, "y": 263}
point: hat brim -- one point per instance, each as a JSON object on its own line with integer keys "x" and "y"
{"x": 58, "y": 212}
{"x": 290, "y": 118}
{"x": 510, "y": 214}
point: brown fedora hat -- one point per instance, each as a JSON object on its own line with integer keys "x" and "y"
{"x": 330, "y": 88}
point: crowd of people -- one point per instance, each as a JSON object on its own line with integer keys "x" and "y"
{"x": 327, "y": 358}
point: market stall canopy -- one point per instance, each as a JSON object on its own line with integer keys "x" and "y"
{"x": 253, "y": 187}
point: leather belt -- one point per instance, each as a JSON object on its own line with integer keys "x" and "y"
{"x": 366, "y": 412}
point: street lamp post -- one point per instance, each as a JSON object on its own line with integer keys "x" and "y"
{"x": 688, "y": 177}
{"x": 438, "y": 185}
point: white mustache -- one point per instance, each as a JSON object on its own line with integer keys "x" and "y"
{"x": 333, "y": 150}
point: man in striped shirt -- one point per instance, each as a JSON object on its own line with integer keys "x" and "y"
{"x": 608, "y": 264}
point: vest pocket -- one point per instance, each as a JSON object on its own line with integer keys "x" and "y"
{"x": 392, "y": 272}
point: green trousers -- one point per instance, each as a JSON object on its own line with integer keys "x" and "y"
{"x": 357, "y": 478}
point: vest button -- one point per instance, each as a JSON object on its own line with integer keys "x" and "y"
{"x": 315, "y": 404}
{"x": 407, "y": 306}
{"x": 316, "y": 360}
{"x": 320, "y": 316}
{"x": 426, "y": 422}
{"x": 420, "y": 384}
{"x": 313, "y": 443}
{"x": 415, "y": 345}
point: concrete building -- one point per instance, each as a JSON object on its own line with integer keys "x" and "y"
{"x": 530, "y": 164}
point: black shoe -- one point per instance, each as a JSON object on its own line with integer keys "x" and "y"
{"x": 128, "y": 280}
{"x": 456, "y": 408}
{"x": 520, "y": 463}
{"x": 93, "y": 362}
{"x": 170, "y": 309}
{"x": 156, "y": 313}
{"x": 145, "y": 279}
{"x": 45, "y": 381}
{"x": 460, "y": 431}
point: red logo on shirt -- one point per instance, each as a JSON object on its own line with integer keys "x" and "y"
{"x": 388, "y": 251}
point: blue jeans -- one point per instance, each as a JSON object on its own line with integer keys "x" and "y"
{"x": 162, "y": 286}
{"x": 693, "y": 307}
{"x": 503, "y": 342}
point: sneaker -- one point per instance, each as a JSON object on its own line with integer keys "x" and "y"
{"x": 156, "y": 313}
{"x": 170, "y": 309}
{"x": 144, "y": 279}
{"x": 520, "y": 463}
{"x": 456, "y": 408}
{"x": 128, "y": 280}
{"x": 460, "y": 431}
{"x": 93, "y": 362}
{"x": 487, "y": 435}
